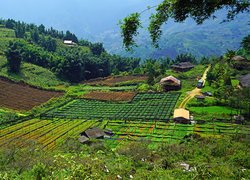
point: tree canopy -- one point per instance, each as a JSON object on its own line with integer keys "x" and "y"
{"x": 179, "y": 10}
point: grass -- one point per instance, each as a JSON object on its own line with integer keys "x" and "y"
{"x": 218, "y": 110}
{"x": 81, "y": 89}
{"x": 6, "y": 35}
{"x": 31, "y": 74}
{"x": 235, "y": 82}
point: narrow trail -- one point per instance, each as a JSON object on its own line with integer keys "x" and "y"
{"x": 195, "y": 91}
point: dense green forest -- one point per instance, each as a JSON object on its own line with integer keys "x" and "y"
{"x": 40, "y": 46}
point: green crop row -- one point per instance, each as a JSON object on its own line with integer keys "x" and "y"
{"x": 150, "y": 106}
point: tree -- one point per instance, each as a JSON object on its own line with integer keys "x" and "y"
{"x": 10, "y": 23}
{"x": 14, "y": 56}
{"x": 246, "y": 43}
{"x": 20, "y": 30}
{"x": 179, "y": 10}
{"x": 41, "y": 29}
{"x": 185, "y": 58}
{"x": 35, "y": 35}
{"x": 97, "y": 49}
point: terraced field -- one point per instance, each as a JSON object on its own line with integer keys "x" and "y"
{"x": 19, "y": 96}
{"x": 110, "y": 96}
{"x": 49, "y": 134}
{"x": 113, "y": 81}
{"x": 45, "y": 133}
{"x": 145, "y": 106}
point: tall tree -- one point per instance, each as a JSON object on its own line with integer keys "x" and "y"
{"x": 14, "y": 56}
{"x": 20, "y": 30}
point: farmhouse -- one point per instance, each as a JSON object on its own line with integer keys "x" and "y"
{"x": 94, "y": 133}
{"x": 69, "y": 42}
{"x": 240, "y": 63}
{"x": 245, "y": 81}
{"x": 170, "y": 83}
{"x": 181, "y": 116}
{"x": 182, "y": 67}
{"x": 238, "y": 58}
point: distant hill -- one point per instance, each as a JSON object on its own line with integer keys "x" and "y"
{"x": 213, "y": 38}
{"x": 97, "y": 21}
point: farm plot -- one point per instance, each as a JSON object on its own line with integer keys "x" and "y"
{"x": 45, "y": 133}
{"x": 145, "y": 106}
{"x": 117, "y": 80}
{"x": 148, "y": 131}
{"x": 110, "y": 96}
{"x": 219, "y": 129}
{"x": 19, "y": 96}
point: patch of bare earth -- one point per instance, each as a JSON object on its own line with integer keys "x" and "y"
{"x": 110, "y": 96}
{"x": 112, "y": 81}
{"x": 19, "y": 96}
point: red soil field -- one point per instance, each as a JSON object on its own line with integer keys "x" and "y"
{"x": 110, "y": 96}
{"x": 112, "y": 81}
{"x": 19, "y": 96}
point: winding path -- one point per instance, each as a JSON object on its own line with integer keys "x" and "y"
{"x": 195, "y": 91}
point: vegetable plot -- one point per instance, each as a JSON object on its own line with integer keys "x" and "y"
{"x": 144, "y": 106}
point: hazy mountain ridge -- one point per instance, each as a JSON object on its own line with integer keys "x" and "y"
{"x": 211, "y": 38}
{"x": 97, "y": 21}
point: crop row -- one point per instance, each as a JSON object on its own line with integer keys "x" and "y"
{"x": 49, "y": 133}
{"x": 158, "y": 106}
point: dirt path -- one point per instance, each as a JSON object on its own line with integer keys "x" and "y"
{"x": 195, "y": 91}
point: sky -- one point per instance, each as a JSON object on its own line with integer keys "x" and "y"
{"x": 80, "y": 16}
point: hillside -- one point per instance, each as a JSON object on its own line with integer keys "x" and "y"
{"x": 43, "y": 47}
{"x": 30, "y": 73}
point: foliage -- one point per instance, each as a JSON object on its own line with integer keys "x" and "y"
{"x": 42, "y": 47}
{"x": 129, "y": 28}
{"x": 179, "y": 10}
{"x": 14, "y": 56}
{"x": 185, "y": 58}
{"x": 207, "y": 158}
{"x": 246, "y": 43}
{"x": 31, "y": 74}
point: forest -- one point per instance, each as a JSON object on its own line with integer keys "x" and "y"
{"x": 39, "y": 46}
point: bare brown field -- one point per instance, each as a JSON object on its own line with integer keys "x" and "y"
{"x": 112, "y": 81}
{"x": 19, "y": 96}
{"x": 110, "y": 96}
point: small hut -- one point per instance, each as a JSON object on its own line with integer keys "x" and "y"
{"x": 182, "y": 67}
{"x": 181, "y": 116}
{"x": 94, "y": 133}
{"x": 170, "y": 83}
{"x": 238, "y": 58}
{"x": 69, "y": 42}
{"x": 240, "y": 63}
{"x": 245, "y": 81}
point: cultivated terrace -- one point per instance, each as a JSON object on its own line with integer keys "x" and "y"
{"x": 71, "y": 110}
